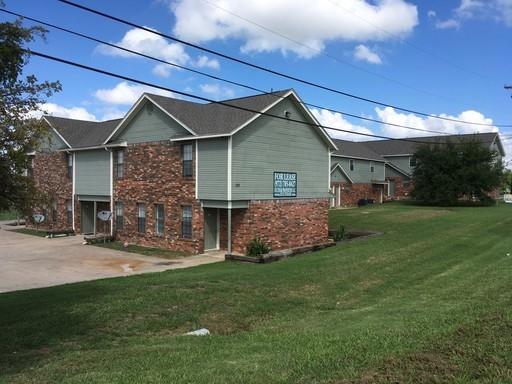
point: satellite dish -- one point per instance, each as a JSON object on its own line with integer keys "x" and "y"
{"x": 38, "y": 218}
{"x": 104, "y": 215}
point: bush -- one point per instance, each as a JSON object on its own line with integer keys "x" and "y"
{"x": 257, "y": 247}
{"x": 340, "y": 233}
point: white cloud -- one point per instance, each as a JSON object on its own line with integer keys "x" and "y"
{"x": 363, "y": 53}
{"x": 337, "y": 120}
{"x": 390, "y": 115}
{"x": 206, "y": 62}
{"x": 311, "y": 23}
{"x": 217, "y": 92}
{"x": 127, "y": 94}
{"x": 431, "y": 14}
{"x": 53, "y": 109}
{"x": 448, "y": 24}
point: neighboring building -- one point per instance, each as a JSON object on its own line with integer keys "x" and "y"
{"x": 356, "y": 173}
{"x": 392, "y": 162}
{"x": 191, "y": 176}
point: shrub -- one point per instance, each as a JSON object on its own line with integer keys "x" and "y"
{"x": 257, "y": 247}
{"x": 340, "y": 233}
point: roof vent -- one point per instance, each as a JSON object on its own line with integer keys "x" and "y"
{"x": 287, "y": 114}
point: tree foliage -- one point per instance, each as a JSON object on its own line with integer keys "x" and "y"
{"x": 446, "y": 173}
{"x": 21, "y": 97}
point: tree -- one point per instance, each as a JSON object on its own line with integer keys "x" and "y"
{"x": 447, "y": 172}
{"x": 20, "y": 98}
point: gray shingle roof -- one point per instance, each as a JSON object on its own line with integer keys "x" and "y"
{"x": 214, "y": 118}
{"x": 82, "y": 133}
{"x": 356, "y": 149}
{"x": 404, "y": 147}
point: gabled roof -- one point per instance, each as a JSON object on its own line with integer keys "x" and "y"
{"x": 345, "y": 173}
{"x": 355, "y": 149}
{"x": 398, "y": 169}
{"x": 81, "y": 133}
{"x": 404, "y": 147}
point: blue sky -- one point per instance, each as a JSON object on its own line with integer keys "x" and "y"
{"x": 438, "y": 56}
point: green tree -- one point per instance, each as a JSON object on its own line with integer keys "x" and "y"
{"x": 447, "y": 172}
{"x": 20, "y": 97}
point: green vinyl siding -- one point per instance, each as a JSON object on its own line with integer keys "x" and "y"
{"x": 150, "y": 124}
{"x": 92, "y": 172}
{"x": 401, "y": 162}
{"x": 337, "y": 176}
{"x": 391, "y": 172}
{"x": 268, "y": 145}
{"x": 212, "y": 178}
{"x": 52, "y": 142}
{"x": 361, "y": 172}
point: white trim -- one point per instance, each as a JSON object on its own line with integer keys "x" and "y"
{"x": 188, "y": 138}
{"x": 329, "y": 172}
{"x": 196, "y": 184}
{"x": 112, "y": 193}
{"x": 218, "y": 228}
{"x": 359, "y": 158}
{"x": 123, "y": 144}
{"x": 73, "y": 192}
{"x": 339, "y": 196}
{"x": 135, "y": 108}
{"x": 401, "y": 155}
{"x": 343, "y": 171}
{"x": 230, "y": 158}
{"x": 57, "y": 132}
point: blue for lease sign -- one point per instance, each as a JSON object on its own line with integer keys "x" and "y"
{"x": 285, "y": 184}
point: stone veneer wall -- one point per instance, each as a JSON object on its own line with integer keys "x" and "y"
{"x": 352, "y": 192}
{"x": 50, "y": 177}
{"x": 153, "y": 174}
{"x": 281, "y": 223}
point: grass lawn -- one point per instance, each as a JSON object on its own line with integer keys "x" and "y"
{"x": 429, "y": 301}
{"x": 147, "y": 251}
{"x": 30, "y": 231}
{"x": 7, "y": 215}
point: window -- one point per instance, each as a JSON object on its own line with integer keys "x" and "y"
{"x": 186, "y": 157}
{"x": 372, "y": 168}
{"x": 69, "y": 162}
{"x": 54, "y": 210}
{"x": 186, "y": 222}
{"x": 351, "y": 163}
{"x": 159, "y": 219}
{"x": 141, "y": 218}
{"x": 412, "y": 161}
{"x": 119, "y": 215}
{"x": 69, "y": 212}
{"x": 119, "y": 164}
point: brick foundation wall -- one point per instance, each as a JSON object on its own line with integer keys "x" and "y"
{"x": 282, "y": 223}
{"x": 351, "y": 193}
{"x": 153, "y": 174}
{"x": 50, "y": 177}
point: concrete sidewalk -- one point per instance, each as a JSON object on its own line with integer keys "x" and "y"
{"x": 33, "y": 262}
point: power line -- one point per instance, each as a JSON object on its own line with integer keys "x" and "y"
{"x": 190, "y": 95}
{"x": 320, "y": 51}
{"x": 91, "y": 38}
{"x": 272, "y": 71}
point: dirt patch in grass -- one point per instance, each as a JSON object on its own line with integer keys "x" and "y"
{"x": 477, "y": 352}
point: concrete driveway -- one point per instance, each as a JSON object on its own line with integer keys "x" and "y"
{"x": 28, "y": 261}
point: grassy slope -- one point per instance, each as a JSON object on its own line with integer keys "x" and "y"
{"x": 7, "y": 215}
{"x": 398, "y": 306}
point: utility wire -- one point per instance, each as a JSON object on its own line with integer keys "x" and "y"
{"x": 91, "y": 38}
{"x": 223, "y": 103}
{"x": 321, "y": 52}
{"x": 272, "y": 71}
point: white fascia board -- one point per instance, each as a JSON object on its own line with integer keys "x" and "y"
{"x": 401, "y": 155}
{"x": 56, "y": 132}
{"x": 343, "y": 171}
{"x": 359, "y": 158}
{"x": 123, "y": 144}
{"x": 188, "y": 138}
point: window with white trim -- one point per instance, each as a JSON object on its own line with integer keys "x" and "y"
{"x": 119, "y": 215}
{"x": 412, "y": 161}
{"x": 141, "y": 218}
{"x": 186, "y": 221}
{"x": 186, "y": 158}
{"x": 159, "y": 219}
{"x": 119, "y": 163}
{"x": 352, "y": 164}
{"x": 372, "y": 167}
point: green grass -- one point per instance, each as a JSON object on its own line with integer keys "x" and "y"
{"x": 30, "y": 231}
{"x": 429, "y": 301}
{"x": 8, "y": 215}
{"x": 146, "y": 251}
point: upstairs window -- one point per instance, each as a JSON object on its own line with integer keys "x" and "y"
{"x": 141, "y": 218}
{"x": 119, "y": 215}
{"x": 412, "y": 161}
{"x": 352, "y": 164}
{"x": 372, "y": 167}
{"x": 186, "y": 222}
{"x": 69, "y": 163}
{"x": 119, "y": 171}
{"x": 159, "y": 219}
{"x": 186, "y": 158}
{"x": 69, "y": 212}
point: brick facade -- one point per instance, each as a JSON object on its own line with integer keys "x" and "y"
{"x": 402, "y": 189}
{"x": 281, "y": 223}
{"x": 351, "y": 193}
{"x": 153, "y": 175}
{"x": 49, "y": 170}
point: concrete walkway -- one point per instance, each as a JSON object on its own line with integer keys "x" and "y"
{"x": 28, "y": 261}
